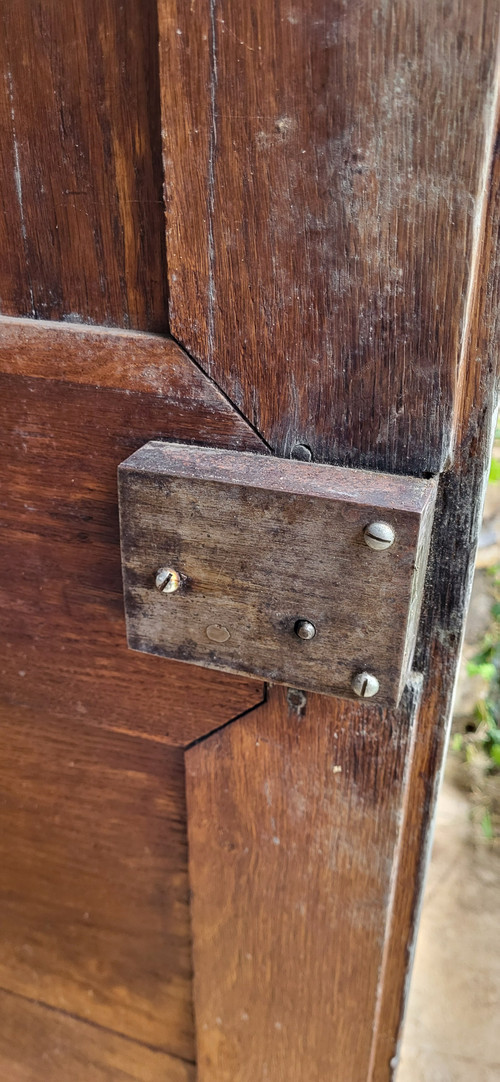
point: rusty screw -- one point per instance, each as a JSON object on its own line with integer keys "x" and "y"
{"x": 378, "y": 536}
{"x": 365, "y": 685}
{"x": 167, "y": 580}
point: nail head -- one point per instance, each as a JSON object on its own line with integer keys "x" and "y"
{"x": 305, "y": 630}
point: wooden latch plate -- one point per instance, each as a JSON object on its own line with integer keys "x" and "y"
{"x": 260, "y": 544}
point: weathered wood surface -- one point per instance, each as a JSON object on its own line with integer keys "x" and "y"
{"x": 457, "y": 523}
{"x": 294, "y": 826}
{"x": 192, "y": 408}
{"x": 42, "y": 1045}
{"x": 64, "y": 651}
{"x": 82, "y": 230}
{"x": 94, "y": 887}
{"x": 261, "y": 543}
{"x": 324, "y": 176}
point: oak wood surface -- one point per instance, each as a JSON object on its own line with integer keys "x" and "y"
{"x": 82, "y": 228}
{"x": 457, "y": 524}
{"x": 294, "y": 824}
{"x": 94, "y": 892}
{"x": 324, "y": 172}
{"x": 328, "y": 233}
{"x": 259, "y": 544}
{"x": 94, "y": 888}
{"x": 64, "y": 648}
{"x": 42, "y": 1045}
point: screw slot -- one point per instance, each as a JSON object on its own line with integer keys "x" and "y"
{"x": 365, "y": 685}
{"x": 167, "y": 580}
{"x": 378, "y": 536}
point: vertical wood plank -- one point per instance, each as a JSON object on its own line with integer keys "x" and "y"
{"x": 294, "y": 824}
{"x": 82, "y": 236}
{"x": 324, "y": 178}
{"x": 458, "y": 520}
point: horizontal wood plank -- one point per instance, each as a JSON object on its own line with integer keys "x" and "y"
{"x": 42, "y": 1045}
{"x": 324, "y": 178}
{"x": 64, "y": 649}
{"x": 80, "y": 180}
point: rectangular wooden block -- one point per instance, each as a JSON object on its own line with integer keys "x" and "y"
{"x": 261, "y": 544}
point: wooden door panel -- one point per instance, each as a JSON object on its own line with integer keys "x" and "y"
{"x": 294, "y": 831}
{"x": 94, "y": 893}
{"x": 79, "y": 122}
{"x": 324, "y": 174}
{"x": 56, "y": 1048}
{"x": 331, "y": 190}
{"x": 94, "y": 899}
{"x": 66, "y": 428}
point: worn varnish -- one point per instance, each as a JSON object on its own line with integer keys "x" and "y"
{"x": 457, "y": 524}
{"x": 102, "y": 815}
{"x": 81, "y": 233}
{"x": 94, "y": 896}
{"x": 260, "y": 543}
{"x": 331, "y": 217}
{"x": 56, "y": 1047}
{"x": 290, "y": 871}
{"x": 64, "y": 435}
{"x": 324, "y": 178}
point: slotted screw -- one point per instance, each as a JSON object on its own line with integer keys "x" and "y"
{"x": 365, "y": 685}
{"x": 378, "y": 536}
{"x": 167, "y": 580}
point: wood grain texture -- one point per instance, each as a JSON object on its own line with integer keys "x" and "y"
{"x": 94, "y": 892}
{"x": 260, "y": 544}
{"x": 324, "y": 182}
{"x": 294, "y": 826}
{"x": 42, "y": 1045}
{"x": 63, "y": 638}
{"x": 457, "y": 524}
{"x": 81, "y": 230}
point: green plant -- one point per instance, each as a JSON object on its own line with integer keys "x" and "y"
{"x": 486, "y": 663}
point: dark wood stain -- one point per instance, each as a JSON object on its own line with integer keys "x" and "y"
{"x": 60, "y": 548}
{"x": 332, "y": 235}
{"x": 293, "y": 820}
{"x": 102, "y": 815}
{"x": 83, "y": 238}
{"x": 323, "y": 176}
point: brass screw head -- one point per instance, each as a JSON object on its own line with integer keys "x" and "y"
{"x": 365, "y": 685}
{"x": 378, "y": 536}
{"x": 304, "y": 629}
{"x": 167, "y": 580}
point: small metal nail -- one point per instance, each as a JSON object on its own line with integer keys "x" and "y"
{"x": 304, "y": 629}
{"x": 217, "y": 633}
{"x": 378, "y": 536}
{"x": 167, "y": 580}
{"x": 365, "y": 685}
{"x": 301, "y": 452}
